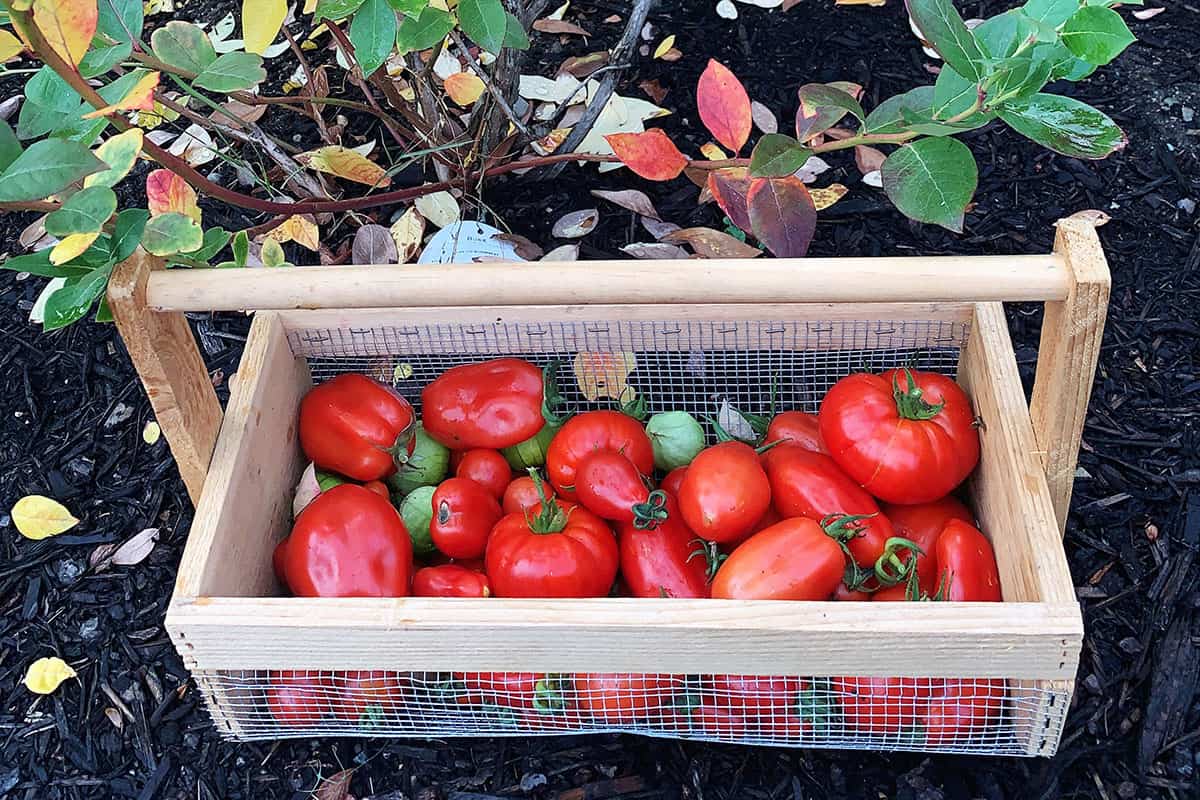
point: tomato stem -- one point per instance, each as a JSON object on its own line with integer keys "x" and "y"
{"x": 890, "y": 558}
{"x": 549, "y": 694}
{"x": 909, "y": 402}
{"x": 555, "y": 409}
{"x": 648, "y": 515}
{"x": 711, "y": 554}
{"x": 551, "y": 519}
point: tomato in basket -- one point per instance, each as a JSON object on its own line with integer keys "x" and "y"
{"x": 296, "y": 698}
{"x": 673, "y": 480}
{"x": 922, "y": 524}
{"x": 492, "y": 404}
{"x": 959, "y": 709}
{"x": 724, "y": 492}
{"x": 966, "y": 564}
{"x": 663, "y": 561}
{"x": 533, "y": 691}
{"x": 487, "y": 468}
{"x": 621, "y": 698}
{"x": 881, "y": 705}
{"x": 585, "y": 433}
{"x": 463, "y": 516}
{"x": 357, "y": 427}
{"x": 707, "y": 718}
{"x": 521, "y": 494}
{"x": 610, "y": 486}
{"x": 791, "y": 560}
{"x": 753, "y": 691}
{"x": 362, "y": 689}
{"x": 796, "y": 427}
{"x": 905, "y": 436}
{"x": 449, "y": 580}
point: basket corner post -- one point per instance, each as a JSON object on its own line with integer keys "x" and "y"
{"x": 1068, "y": 354}
{"x": 170, "y": 367}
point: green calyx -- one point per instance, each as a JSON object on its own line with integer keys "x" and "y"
{"x": 712, "y": 555}
{"x": 648, "y": 515}
{"x": 890, "y": 568}
{"x": 909, "y": 402}
{"x": 550, "y": 694}
{"x": 555, "y": 409}
{"x": 551, "y": 519}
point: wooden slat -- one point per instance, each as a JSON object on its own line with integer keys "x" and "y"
{"x": 164, "y": 353}
{"x": 247, "y": 501}
{"x": 1067, "y": 357}
{"x": 815, "y": 280}
{"x": 1013, "y": 640}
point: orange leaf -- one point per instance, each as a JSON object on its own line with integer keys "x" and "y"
{"x": 166, "y": 192}
{"x": 724, "y": 106}
{"x": 346, "y": 163}
{"x": 729, "y": 187}
{"x": 68, "y": 25}
{"x": 139, "y": 98}
{"x": 605, "y": 375}
{"x": 712, "y": 244}
{"x": 651, "y": 154}
{"x": 782, "y": 215}
{"x": 464, "y": 88}
{"x": 301, "y": 229}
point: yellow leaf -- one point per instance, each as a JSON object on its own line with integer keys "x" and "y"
{"x": 10, "y": 46}
{"x": 46, "y": 674}
{"x": 68, "y": 25}
{"x": 20, "y": 5}
{"x": 151, "y": 7}
{"x": 151, "y": 433}
{"x": 402, "y": 372}
{"x": 38, "y": 517}
{"x": 158, "y": 115}
{"x": 464, "y": 88}
{"x": 120, "y": 153}
{"x": 824, "y": 198}
{"x": 72, "y": 246}
{"x": 310, "y": 6}
{"x": 712, "y": 152}
{"x": 299, "y": 228}
{"x": 261, "y": 21}
{"x": 664, "y": 46}
{"x": 139, "y": 98}
{"x": 407, "y": 232}
{"x": 346, "y": 163}
{"x": 605, "y": 375}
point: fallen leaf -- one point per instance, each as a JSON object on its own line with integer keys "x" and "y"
{"x": 440, "y": 208}
{"x": 524, "y": 247}
{"x": 734, "y": 423}
{"x": 788, "y": 5}
{"x": 151, "y": 433}
{"x": 67, "y": 25}
{"x": 1147, "y": 13}
{"x": 672, "y": 55}
{"x": 47, "y": 674}
{"x": 551, "y": 141}
{"x": 824, "y": 198}
{"x": 261, "y": 21}
{"x": 299, "y": 228}
{"x": 727, "y": 10}
{"x": 654, "y": 250}
{"x": 335, "y": 787}
{"x": 464, "y": 88}
{"x": 868, "y": 159}
{"x": 657, "y": 228}
{"x": 582, "y": 66}
{"x": 782, "y": 215}
{"x": 307, "y": 489}
{"x": 346, "y": 163}
{"x": 38, "y": 517}
{"x": 630, "y": 199}
{"x": 713, "y": 152}
{"x": 651, "y": 154}
{"x": 664, "y": 46}
{"x": 135, "y": 549}
{"x": 551, "y": 90}
{"x": 1092, "y": 216}
{"x": 566, "y": 252}
{"x": 602, "y": 375}
{"x": 874, "y": 178}
{"x": 654, "y": 90}
{"x": 710, "y": 243}
{"x": 166, "y": 192}
{"x": 724, "y": 105}
{"x": 194, "y": 146}
{"x": 559, "y": 12}
{"x": 559, "y": 26}
{"x": 730, "y": 187}
{"x": 407, "y": 232}
{"x": 373, "y": 244}
{"x": 764, "y": 119}
{"x": 812, "y": 168}
{"x": 576, "y": 224}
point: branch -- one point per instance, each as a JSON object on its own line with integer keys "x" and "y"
{"x": 496, "y": 94}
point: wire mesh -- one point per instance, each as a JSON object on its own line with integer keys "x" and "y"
{"x": 954, "y": 715}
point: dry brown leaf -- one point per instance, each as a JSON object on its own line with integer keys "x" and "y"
{"x": 788, "y": 5}
{"x": 1091, "y": 216}
{"x": 407, "y": 232}
{"x": 243, "y": 111}
{"x": 824, "y": 198}
{"x": 576, "y": 224}
{"x": 605, "y": 375}
{"x": 868, "y": 159}
{"x": 672, "y": 55}
{"x": 335, "y": 787}
{"x": 566, "y": 252}
{"x": 654, "y": 90}
{"x": 299, "y": 228}
{"x": 373, "y": 244}
{"x": 526, "y": 249}
{"x": 657, "y": 228}
{"x": 630, "y": 199}
{"x": 583, "y": 66}
{"x": 559, "y": 26}
{"x": 654, "y": 250}
{"x": 710, "y": 243}
{"x": 136, "y": 548}
{"x": 613, "y": 19}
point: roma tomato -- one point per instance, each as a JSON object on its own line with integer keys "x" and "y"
{"x": 379, "y": 488}
{"x": 961, "y": 709}
{"x": 907, "y": 437}
{"x": 659, "y": 562}
{"x": 522, "y": 494}
{"x": 622, "y": 698}
{"x": 492, "y": 404}
{"x": 798, "y": 428}
{"x": 809, "y": 484}
{"x": 922, "y": 524}
{"x": 791, "y": 560}
{"x": 610, "y": 486}
{"x": 533, "y": 691}
{"x": 967, "y": 565}
{"x": 296, "y": 698}
{"x": 714, "y": 719}
{"x": 725, "y": 492}
{"x": 359, "y": 690}
{"x": 880, "y": 705}
{"x": 487, "y": 468}
{"x": 753, "y": 691}
{"x": 449, "y": 580}
{"x": 590, "y": 431}
{"x": 673, "y": 481}
{"x": 356, "y": 426}
{"x": 552, "y": 552}
{"x": 349, "y": 542}
{"x": 463, "y": 516}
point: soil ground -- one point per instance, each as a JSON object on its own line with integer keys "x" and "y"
{"x": 133, "y": 725}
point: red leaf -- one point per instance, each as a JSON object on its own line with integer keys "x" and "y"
{"x": 782, "y": 215}
{"x": 651, "y": 155}
{"x": 724, "y": 106}
{"x": 729, "y": 188}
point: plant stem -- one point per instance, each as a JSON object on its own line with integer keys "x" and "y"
{"x": 496, "y": 94}
{"x": 975, "y": 107}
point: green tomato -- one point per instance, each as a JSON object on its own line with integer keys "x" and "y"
{"x": 676, "y": 437}
{"x": 427, "y": 466}
{"x": 417, "y": 513}
{"x": 532, "y": 451}
{"x": 328, "y": 480}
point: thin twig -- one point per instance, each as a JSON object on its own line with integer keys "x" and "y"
{"x": 347, "y": 50}
{"x": 310, "y": 82}
{"x": 495, "y": 92}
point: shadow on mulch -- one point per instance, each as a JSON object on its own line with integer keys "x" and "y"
{"x": 132, "y": 726}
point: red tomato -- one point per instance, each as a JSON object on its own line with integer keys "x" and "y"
{"x": 623, "y": 698}
{"x": 769, "y": 693}
{"x": 907, "y": 437}
{"x": 845, "y": 594}
{"x": 967, "y": 565}
{"x": 522, "y": 494}
{"x": 554, "y": 552}
{"x": 356, "y": 426}
{"x": 456, "y": 457}
{"x": 891, "y": 594}
{"x": 449, "y": 580}
{"x": 791, "y": 560}
{"x": 961, "y": 709}
{"x": 463, "y": 516}
{"x": 595, "y": 430}
{"x": 359, "y": 690}
{"x": 380, "y": 488}
{"x": 922, "y": 524}
{"x": 713, "y": 719}
{"x": 535, "y": 691}
{"x": 487, "y": 468}
{"x": 348, "y": 542}
{"x": 808, "y": 484}
{"x": 437, "y": 559}
{"x": 782, "y": 724}
{"x": 880, "y": 705}
{"x": 610, "y": 486}
{"x": 798, "y": 428}
{"x": 296, "y": 698}
{"x": 660, "y": 562}
{"x": 673, "y": 481}
{"x": 493, "y": 404}
{"x": 725, "y": 492}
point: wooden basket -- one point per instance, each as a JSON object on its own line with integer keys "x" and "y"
{"x": 827, "y": 316}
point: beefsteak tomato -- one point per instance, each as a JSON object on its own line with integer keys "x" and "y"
{"x": 724, "y": 492}
{"x": 492, "y": 404}
{"x": 522, "y": 494}
{"x": 585, "y": 433}
{"x": 356, "y": 426}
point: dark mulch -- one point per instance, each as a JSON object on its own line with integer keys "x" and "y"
{"x": 132, "y": 726}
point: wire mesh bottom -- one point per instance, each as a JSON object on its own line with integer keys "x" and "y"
{"x": 954, "y": 715}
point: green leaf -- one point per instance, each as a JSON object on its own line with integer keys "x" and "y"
{"x": 50, "y": 102}
{"x": 86, "y": 211}
{"x": 241, "y": 248}
{"x": 817, "y": 97}
{"x": 409, "y": 8}
{"x": 932, "y": 180}
{"x": 425, "y": 31}
{"x": 514, "y": 33}
{"x": 1065, "y": 125}
{"x": 946, "y": 31}
{"x": 214, "y": 240}
{"x": 913, "y": 111}
{"x": 127, "y": 234}
{"x": 121, "y": 20}
{"x": 171, "y": 233}
{"x": 776, "y": 156}
{"x": 1001, "y": 35}
{"x": 1018, "y": 77}
{"x": 183, "y": 45}
{"x": 46, "y": 167}
{"x": 485, "y": 22}
{"x": 373, "y": 32}
{"x": 74, "y": 299}
{"x": 1096, "y": 34}
{"x": 272, "y": 254}
{"x": 1050, "y": 12}
{"x": 39, "y": 264}
{"x": 10, "y": 147}
{"x": 103, "y": 312}
{"x": 335, "y": 9}
{"x": 232, "y": 72}
{"x": 953, "y": 94}
{"x": 102, "y": 56}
